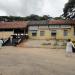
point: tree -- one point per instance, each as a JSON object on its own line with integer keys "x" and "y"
{"x": 33, "y": 17}
{"x": 46, "y": 17}
{"x": 27, "y": 18}
{"x": 69, "y": 9}
{"x": 58, "y": 18}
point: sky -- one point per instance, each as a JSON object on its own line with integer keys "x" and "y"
{"x": 54, "y": 8}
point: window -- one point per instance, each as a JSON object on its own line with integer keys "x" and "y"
{"x": 54, "y": 26}
{"x": 42, "y": 33}
{"x": 65, "y": 32}
{"x": 65, "y": 26}
{"x": 34, "y": 32}
{"x": 53, "y": 33}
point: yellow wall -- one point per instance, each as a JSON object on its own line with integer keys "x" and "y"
{"x": 46, "y": 35}
{"x": 72, "y": 34}
{"x": 5, "y": 34}
{"x": 60, "y": 34}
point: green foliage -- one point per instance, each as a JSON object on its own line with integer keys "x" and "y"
{"x": 58, "y": 18}
{"x": 27, "y": 18}
{"x": 68, "y": 7}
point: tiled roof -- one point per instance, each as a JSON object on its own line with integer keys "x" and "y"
{"x": 13, "y": 25}
{"x": 46, "y": 22}
{"x": 43, "y": 22}
{"x": 71, "y": 22}
{"x": 23, "y": 24}
{"x": 61, "y": 22}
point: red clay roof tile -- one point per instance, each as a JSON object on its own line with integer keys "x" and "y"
{"x": 13, "y": 25}
{"x": 61, "y": 22}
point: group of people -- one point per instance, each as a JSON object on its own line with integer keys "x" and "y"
{"x": 70, "y": 48}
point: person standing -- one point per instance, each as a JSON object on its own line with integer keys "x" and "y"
{"x": 1, "y": 42}
{"x": 69, "y": 47}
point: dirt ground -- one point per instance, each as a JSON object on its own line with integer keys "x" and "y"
{"x": 35, "y": 61}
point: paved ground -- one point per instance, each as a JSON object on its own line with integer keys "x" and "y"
{"x": 35, "y": 61}
{"x": 42, "y": 43}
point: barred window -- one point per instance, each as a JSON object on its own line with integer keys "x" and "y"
{"x": 42, "y": 33}
{"x": 34, "y": 32}
{"x": 65, "y": 32}
{"x": 53, "y": 33}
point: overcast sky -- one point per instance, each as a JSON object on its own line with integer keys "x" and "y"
{"x": 26, "y": 7}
